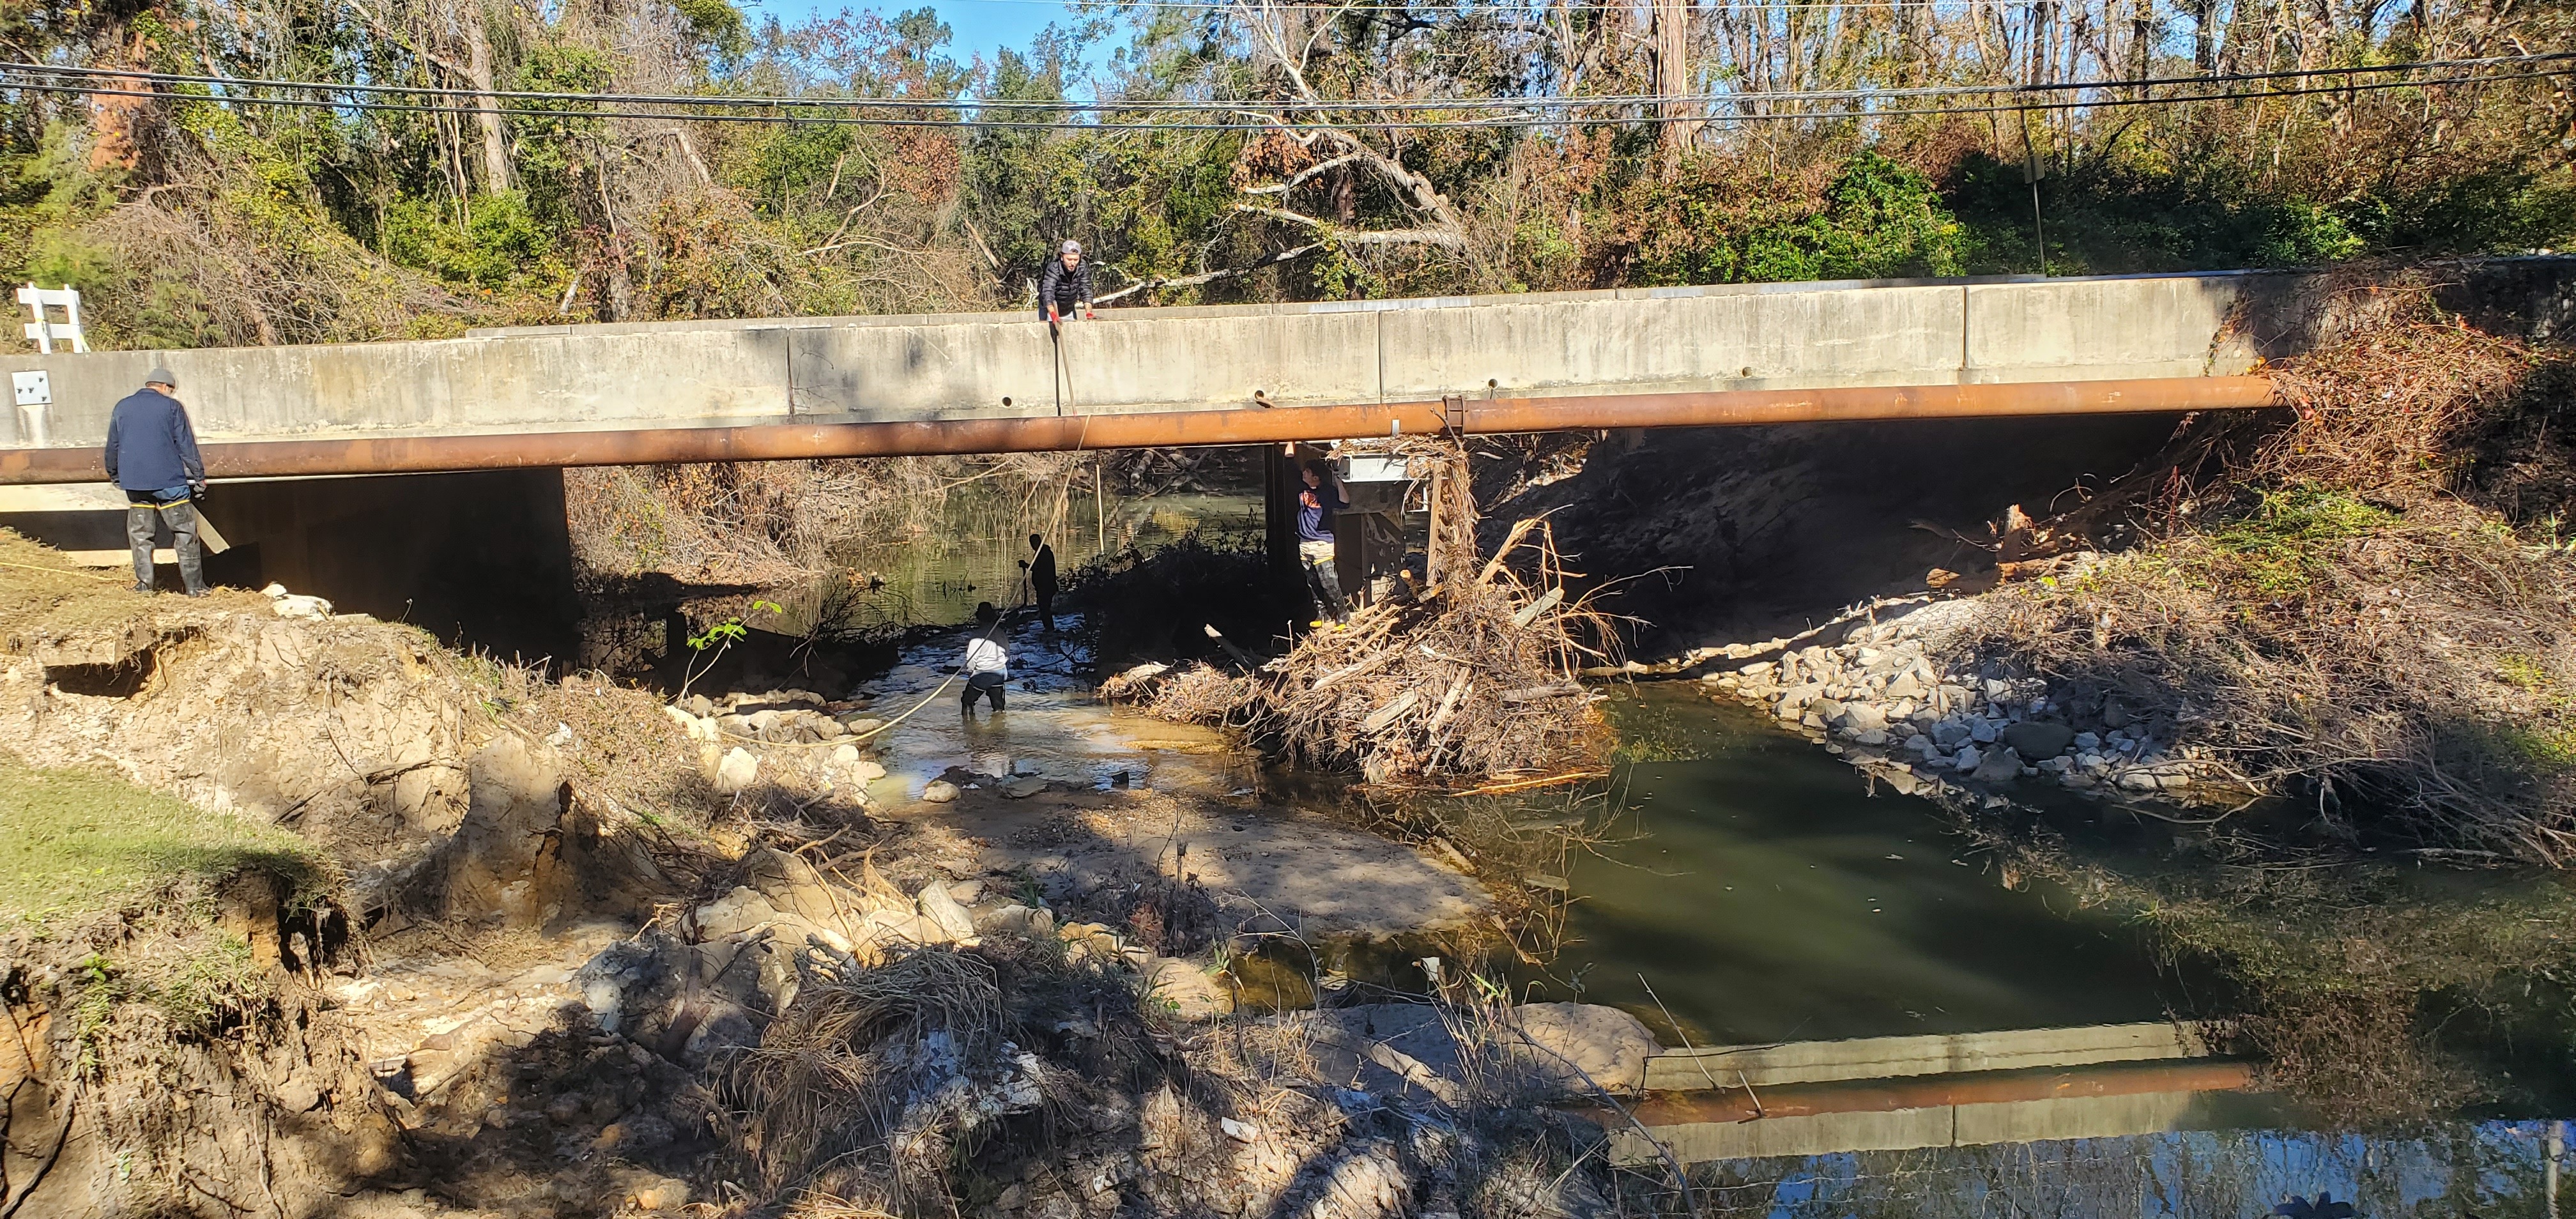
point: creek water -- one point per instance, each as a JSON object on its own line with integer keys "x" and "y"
{"x": 1733, "y": 885}
{"x": 973, "y": 553}
{"x": 1746, "y": 888}
{"x": 1764, "y": 893}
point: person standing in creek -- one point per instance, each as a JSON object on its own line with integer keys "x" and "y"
{"x": 152, "y": 456}
{"x": 987, "y": 665}
{"x": 1317, "y": 501}
{"x": 1042, "y": 583}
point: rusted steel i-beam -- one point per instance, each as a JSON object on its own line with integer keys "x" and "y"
{"x": 1159, "y": 429}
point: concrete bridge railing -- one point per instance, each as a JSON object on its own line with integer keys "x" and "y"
{"x": 826, "y": 370}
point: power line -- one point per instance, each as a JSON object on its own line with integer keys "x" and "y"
{"x": 2348, "y": 75}
{"x": 1256, "y": 121}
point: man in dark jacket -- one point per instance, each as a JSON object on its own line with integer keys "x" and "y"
{"x": 1317, "y": 502}
{"x": 1042, "y": 583}
{"x": 152, "y": 455}
{"x": 1064, "y": 288}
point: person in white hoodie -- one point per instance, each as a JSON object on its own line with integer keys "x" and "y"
{"x": 987, "y": 664}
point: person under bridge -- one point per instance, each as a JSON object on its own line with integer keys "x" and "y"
{"x": 986, "y": 664}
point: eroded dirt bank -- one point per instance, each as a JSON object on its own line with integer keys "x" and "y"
{"x": 482, "y": 942}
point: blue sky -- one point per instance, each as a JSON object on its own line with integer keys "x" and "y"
{"x": 981, "y": 26}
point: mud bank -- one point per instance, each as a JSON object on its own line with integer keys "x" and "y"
{"x": 562, "y": 949}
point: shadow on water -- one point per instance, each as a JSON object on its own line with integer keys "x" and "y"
{"x": 1767, "y": 894}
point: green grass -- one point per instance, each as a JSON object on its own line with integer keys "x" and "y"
{"x": 2292, "y": 537}
{"x": 2521, "y": 671}
{"x": 76, "y": 843}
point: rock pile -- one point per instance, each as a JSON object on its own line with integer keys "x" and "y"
{"x": 732, "y": 732}
{"x": 1900, "y": 697}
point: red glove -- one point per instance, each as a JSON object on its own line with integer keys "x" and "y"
{"x": 1051, "y": 317}
{"x": 1089, "y": 316}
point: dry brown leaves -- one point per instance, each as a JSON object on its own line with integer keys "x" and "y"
{"x": 2337, "y": 619}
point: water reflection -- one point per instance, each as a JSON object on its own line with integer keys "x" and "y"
{"x": 974, "y": 552}
{"x": 1767, "y": 895}
{"x": 2452, "y": 1169}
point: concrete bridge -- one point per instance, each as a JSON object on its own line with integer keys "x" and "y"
{"x": 466, "y": 436}
{"x": 698, "y": 391}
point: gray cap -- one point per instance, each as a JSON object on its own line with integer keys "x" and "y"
{"x": 1070, "y": 247}
{"x": 161, "y": 375}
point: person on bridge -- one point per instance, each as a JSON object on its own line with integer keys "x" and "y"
{"x": 1317, "y": 501}
{"x": 152, "y": 455}
{"x": 987, "y": 664}
{"x": 1042, "y": 584}
{"x": 1064, "y": 288}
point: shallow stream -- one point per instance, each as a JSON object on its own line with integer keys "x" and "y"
{"x": 1732, "y": 884}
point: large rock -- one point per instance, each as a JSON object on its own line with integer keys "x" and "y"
{"x": 1015, "y": 919}
{"x": 854, "y": 768}
{"x": 1185, "y": 988}
{"x": 794, "y": 887}
{"x": 940, "y": 791}
{"x": 1566, "y": 1044}
{"x": 736, "y": 771}
{"x": 2038, "y": 738}
{"x": 886, "y": 929}
{"x": 1398, "y": 1049}
{"x": 1861, "y": 717}
{"x": 2000, "y": 766}
{"x": 688, "y": 1002}
{"x": 739, "y": 912}
{"x": 939, "y": 907}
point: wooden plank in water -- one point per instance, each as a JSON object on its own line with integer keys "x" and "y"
{"x": 1801, "y": 1062}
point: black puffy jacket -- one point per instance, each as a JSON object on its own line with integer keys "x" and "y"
{"x": 1068, "y": 291}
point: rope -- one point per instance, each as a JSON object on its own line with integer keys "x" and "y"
{"x": 66, "y": 571}
{"x": 944, "y": 683}
{"x": 1025, "y": 594}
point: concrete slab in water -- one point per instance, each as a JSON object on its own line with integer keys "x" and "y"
{"x": 1884, "y": 1057}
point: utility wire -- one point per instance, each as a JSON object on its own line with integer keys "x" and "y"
{"x": 1253, "y": 120}
{"x": 1156, "y": 106}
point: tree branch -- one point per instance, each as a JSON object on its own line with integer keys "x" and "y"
{"x": 1303, "y": 176}
{"x": 1209, "y": 277}
{"x": 1341, "y": 236}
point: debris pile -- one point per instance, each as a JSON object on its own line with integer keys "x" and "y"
{"x": 1470, "y": 674}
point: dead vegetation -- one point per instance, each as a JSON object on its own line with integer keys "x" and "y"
{"x": 2361, "y": 609}
{"x": 1468, "y": 675}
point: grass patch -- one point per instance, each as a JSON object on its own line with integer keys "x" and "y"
{"x": 76, "y": 843}
{"x": 2292, "y": 538}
